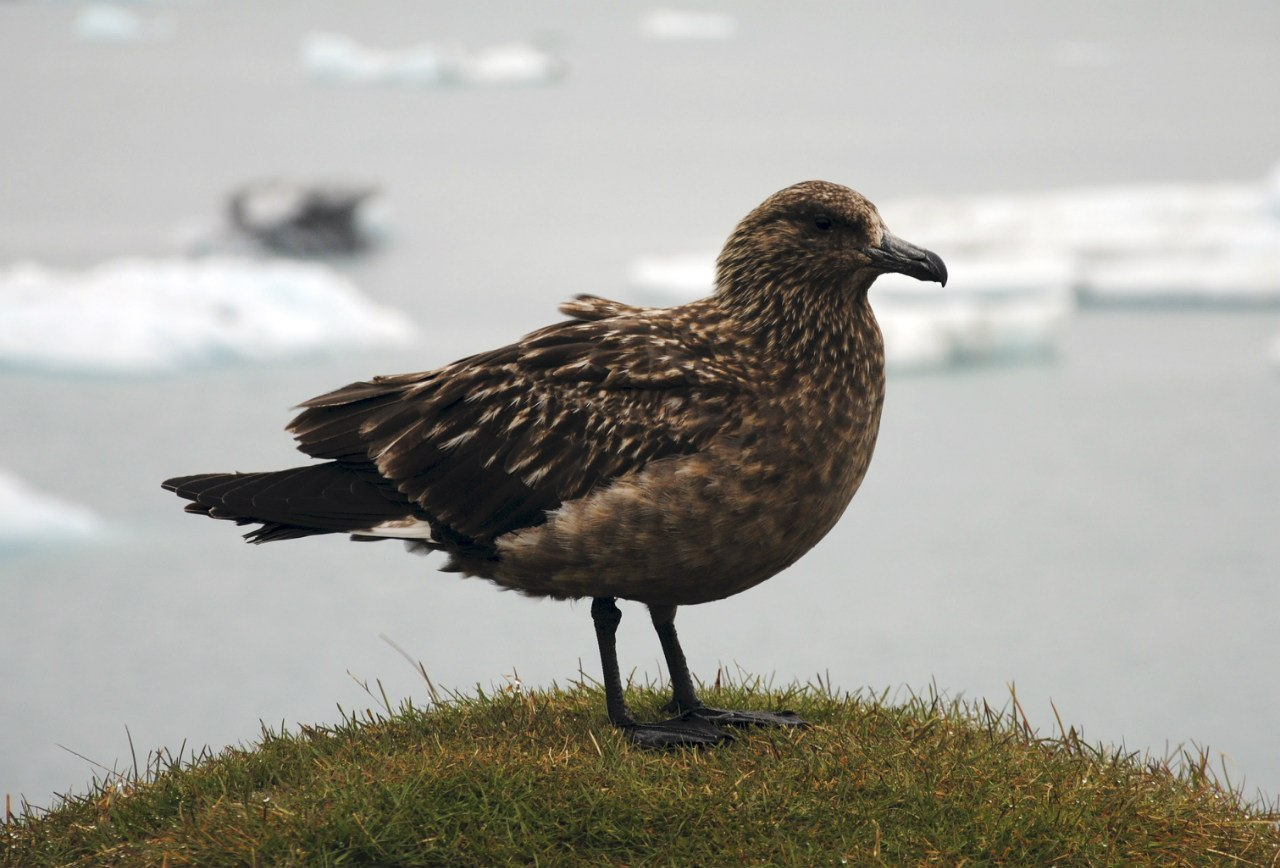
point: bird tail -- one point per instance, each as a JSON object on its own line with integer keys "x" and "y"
{"x": 301, "y": 501}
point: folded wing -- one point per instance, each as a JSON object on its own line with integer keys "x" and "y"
{"x": 489, "y": 443}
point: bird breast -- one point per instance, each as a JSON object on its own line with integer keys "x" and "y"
{"x": 693, "y": 528}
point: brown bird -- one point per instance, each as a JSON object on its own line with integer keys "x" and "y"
{"x": 669, "y": 456}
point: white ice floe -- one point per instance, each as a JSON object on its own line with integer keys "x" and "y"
{"x": 991, "y": 310}
{"x": 1157, "y": 244}
{"x": 337, "y": 59}
{"x": 140, "y": 316}
{"x": 1238, "y": 277}
{"x": 1271, "y": 190}
{"x": 510, "y": 63}
{"x": 681, "y": 24}
{"x": 333, "y": 58}
{"x": 29, "y": 517}
{"x": 104, "y": 23}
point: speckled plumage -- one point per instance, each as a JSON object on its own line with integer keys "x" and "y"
{"x": 670, "y": 456}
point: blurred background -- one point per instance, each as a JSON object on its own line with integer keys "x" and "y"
{"x": 212, "y": 211}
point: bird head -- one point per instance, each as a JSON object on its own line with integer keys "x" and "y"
{"x": 816, "y": 235}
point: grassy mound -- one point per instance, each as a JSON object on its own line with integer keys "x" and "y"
{"x": 539, "y": 777}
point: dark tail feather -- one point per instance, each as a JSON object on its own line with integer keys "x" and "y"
{"x": 301, "y": 501}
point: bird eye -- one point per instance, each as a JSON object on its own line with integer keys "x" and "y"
{"x": 823, "y": 222}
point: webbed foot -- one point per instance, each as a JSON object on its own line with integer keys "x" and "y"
{"x": 729, "y": 717}
{"x": 688, "y": 730}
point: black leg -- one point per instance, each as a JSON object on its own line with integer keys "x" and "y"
{"x": 605, "y": 614}
{"x": 685, "y": 699}
{"x": 685, "y": 731}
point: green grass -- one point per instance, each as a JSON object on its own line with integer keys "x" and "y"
{"x": 540, "y": 778}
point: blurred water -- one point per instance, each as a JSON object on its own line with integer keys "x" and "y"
{"x": 1099, "y": 530}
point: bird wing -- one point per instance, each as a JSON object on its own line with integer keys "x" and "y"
{"x": 489, "y": 443}
{"x": 593, "y": 307}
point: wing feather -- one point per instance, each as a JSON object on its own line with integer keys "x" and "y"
{"x": 490, "y": 443}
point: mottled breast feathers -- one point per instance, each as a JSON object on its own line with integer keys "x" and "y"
{"x": 489, "y": 443}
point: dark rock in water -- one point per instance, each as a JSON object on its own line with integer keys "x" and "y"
{"x": 303, "y": 219}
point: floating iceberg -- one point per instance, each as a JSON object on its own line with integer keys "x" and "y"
{"x": 1004, "y": 309}
{"x": 510, "y": 63}
{"x": 30, "y": 517}
{"x": 991, "y": 310}
{"x": 678, "y": 24}
{"x": 103, "y": 23}
{"x": 336, "y": 59}
{"x": 141, "y": 316}
{"x": 1249, "y": 277}
{"x": 1157, "y": 244}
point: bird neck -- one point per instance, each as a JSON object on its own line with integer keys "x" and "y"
{"x": 828, "y": 328}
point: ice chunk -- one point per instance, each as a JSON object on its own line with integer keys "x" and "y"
{"x": 1164, "y": 243}
{"x": 1001, "y": 309}
{"x": 510, "y": 63}
{"x": 1272, "y": 191}
{"x": 137, "y": 316}
{"x": 679, "y": 24}
{"x": 917, "y": 340}
{"x": 336, "y": 59}
{"x": 1227, "y": 277}
{"x": 29, "y": 517}
{"x": 103, "y": 23}
{"x": 1101, "y": 222}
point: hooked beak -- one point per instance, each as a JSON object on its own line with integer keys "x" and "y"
{"x": 895, "y": 255}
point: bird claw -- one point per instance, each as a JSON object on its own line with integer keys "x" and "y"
{"x": 688, "y": 730}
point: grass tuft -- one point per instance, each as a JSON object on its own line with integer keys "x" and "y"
{"x": 537, "y": 776}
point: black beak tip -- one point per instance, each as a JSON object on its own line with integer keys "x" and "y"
{"x": 939, "y": 267}
{"x": 893, "y": 254}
